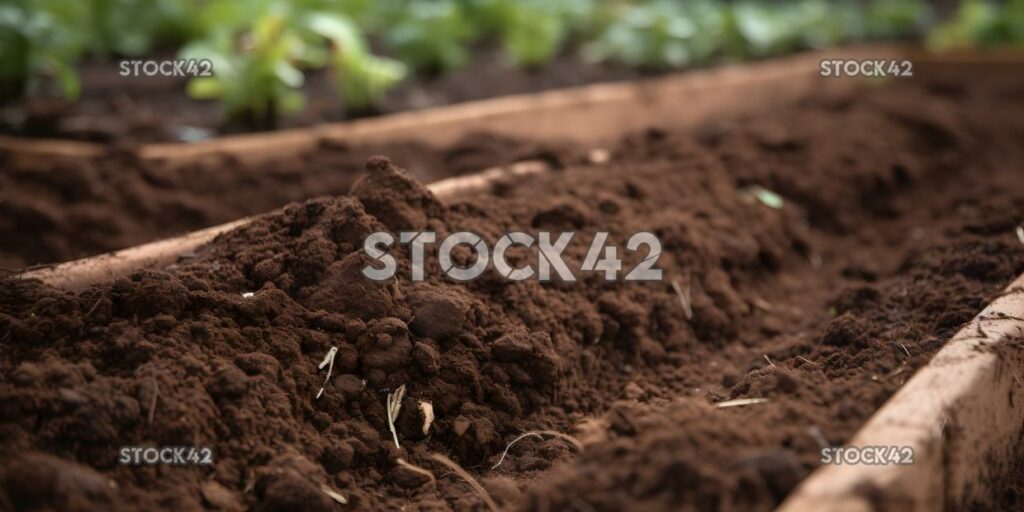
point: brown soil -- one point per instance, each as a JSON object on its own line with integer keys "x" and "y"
{"x": 156, "y": 109}
{"x": 898, "y": 226}
{"x": 58, "y": 209}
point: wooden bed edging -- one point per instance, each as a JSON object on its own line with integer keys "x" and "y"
{"x": 598, "y": 112}
{"x": 962, "y": 414}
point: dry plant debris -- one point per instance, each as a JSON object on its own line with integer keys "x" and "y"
{"x": 450, "y": 464}
{"x": 739, "y": 402}
{"x": 394, "y": 406}
{"x": 412, "y": 467}
{"x": 329, "y": 363}
{"x": 539, "y": 434}
{"x": 684, "y": 299}
{"x": 334, "y": 495}
{"x": 428, "y": 415}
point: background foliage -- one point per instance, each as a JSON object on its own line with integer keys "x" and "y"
{"x": 261, "y": 49}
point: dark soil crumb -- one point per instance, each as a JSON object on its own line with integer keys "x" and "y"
{"x": 917, "y": 191}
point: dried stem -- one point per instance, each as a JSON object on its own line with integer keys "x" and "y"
{"x": 684, "y": 299}
{"x": 394, "y": 406}
{"x": 329, "y": 363}
{"x": 334, "y": 495}
{"x": 412, "y": 467}
{"x": 741, "y": 402}
{"x": 152, "y": 403}
{"x": 450, "y": 464}
{"x": 539, "y": 435}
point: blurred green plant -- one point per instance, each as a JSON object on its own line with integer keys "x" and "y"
{"x": 39, "y": 47}
{"x": 136, "y": 27}
{"x": 530, "y": 32}
{"x": 261, "y": 48}
{"x": 256, "y": 76}
{"x": 259, "y": 53}
{"x": 661, "y": 34}
{"x": 360, "y": 77}
{"x": 431, "y": 37}
{"x": 897, "y": 18}
{"x": 981, "y": 23}
{"x": 764, "y": 29}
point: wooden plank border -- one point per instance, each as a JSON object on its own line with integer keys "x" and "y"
{"x": 962, "y": 414}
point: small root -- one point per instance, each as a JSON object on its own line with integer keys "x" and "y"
{"x": 152, "y": 403}
{"x": 450, "y": 464}
{"x": 412, "y": 467}
{"x": 539, "y": 435}
{"x": 684, "y": 299}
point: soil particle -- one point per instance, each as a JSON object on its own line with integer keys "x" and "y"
{"x": 438, "y": 314}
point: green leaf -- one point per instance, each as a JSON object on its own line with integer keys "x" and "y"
{"x": 205, "y": 88}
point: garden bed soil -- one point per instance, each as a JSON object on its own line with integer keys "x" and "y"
{"x": 900, "y": 205}
{"x": 56, "y": 208}
{"x": 136, "y": 110}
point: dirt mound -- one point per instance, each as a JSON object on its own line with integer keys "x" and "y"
{"x": 55, "y": 209}
{"x": 823, "y": 305}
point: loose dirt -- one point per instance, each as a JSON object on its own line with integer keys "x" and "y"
{"x": 900, "y": 206}
{"x": 58, "y": 209}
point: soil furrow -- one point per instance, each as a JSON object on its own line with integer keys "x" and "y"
{"x": 897, "y": 225}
